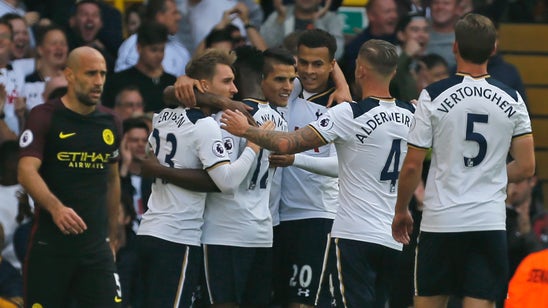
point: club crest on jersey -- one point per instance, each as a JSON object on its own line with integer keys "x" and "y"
{"x": 229, "y": 144}
{"x": 218, "y": 149}
{"x": 325, "y": 122}
{"x": 26, "y": 138}
{"x": 108, "y": 136}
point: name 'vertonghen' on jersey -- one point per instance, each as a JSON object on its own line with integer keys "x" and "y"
{"x": 469, "y": 161}
{"x": 450, "y": 100}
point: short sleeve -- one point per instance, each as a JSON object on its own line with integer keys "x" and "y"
{"x": 420, "y": 133}
{"x": 210, "y": 147}
{"x": 523, "y": 122}
{"x": 33, "y": 137}
{"x": 334, "y": 123}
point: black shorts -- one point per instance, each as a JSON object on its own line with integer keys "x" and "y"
{"x": 471, "y": 264}
{"x": 278, "y": 283}
{"x": 302, "y": 251}
{"x": 54, "y": 279}
{"x": 366, "y": 273}
{"x": 171, "y": 272}
{"x": 241, "y": 275}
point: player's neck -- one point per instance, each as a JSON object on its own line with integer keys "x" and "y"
{"x": 71, "y": 102}
{"x": 472, "y": 69}
{"x": 376, "y": 90}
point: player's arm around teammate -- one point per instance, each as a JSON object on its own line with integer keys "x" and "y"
{"x": 280, "y": 142}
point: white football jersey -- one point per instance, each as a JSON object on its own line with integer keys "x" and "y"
{"x": 371, "y": 141}
{"x": 13, "y": 81}
{"x": 469, "y": 123}
{"x": 276, "y": 185}
{"x": 242, "y": 218}
{"x": 176, "y": 56}
{"x": 33, "y": 93}
{"x": 181, "y": 139}
{"x": 33, "y": 89}
{"x": 305, "y": 194}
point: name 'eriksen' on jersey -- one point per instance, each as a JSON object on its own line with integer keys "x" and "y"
{"x": 174, "y": 116}
{"x": 454, "y": 98}
{"x": 379, "y": 119}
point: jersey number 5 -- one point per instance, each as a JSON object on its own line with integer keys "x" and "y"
{"x": 475, "y": 137}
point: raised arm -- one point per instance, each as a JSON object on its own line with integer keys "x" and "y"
{"x": 342, "y": 90}
{"x": 280, "y": 142}
{"x": 187, "y": 94}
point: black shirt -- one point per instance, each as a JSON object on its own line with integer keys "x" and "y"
{"x": 75, "y": 151}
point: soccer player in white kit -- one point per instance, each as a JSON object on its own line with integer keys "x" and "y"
{"x": 237, "y": 231}
{"x": 170, "y": 231}
{"x": 308, "y": 201}
{"x": 471, "y": 122}
{"x": 365, "y": 133}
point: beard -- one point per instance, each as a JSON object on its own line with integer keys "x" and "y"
{"x": 86, "y": 100}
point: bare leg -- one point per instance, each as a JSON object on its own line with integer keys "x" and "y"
{"x": 470, "y": 302}
{"x": 439, "y": 301}
{"x": 299, "y": 305}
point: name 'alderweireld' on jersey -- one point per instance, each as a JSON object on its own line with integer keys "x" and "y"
{"x": 461, "y": 93}
{"x": 380, "y": 118}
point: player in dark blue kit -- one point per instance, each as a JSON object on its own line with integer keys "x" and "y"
{"x": 68, "y": 164}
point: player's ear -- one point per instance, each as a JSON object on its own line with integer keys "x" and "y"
{"x": 204, "y": 84}
{"x": 68, "y": 74}
{"x": 495, "y": 48}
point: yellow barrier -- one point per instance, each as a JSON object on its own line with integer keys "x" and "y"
{"x": 354, "y": 2}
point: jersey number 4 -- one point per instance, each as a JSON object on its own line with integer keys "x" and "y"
{"x": 394, "y": 161}
{"x": 475, "y": 137}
